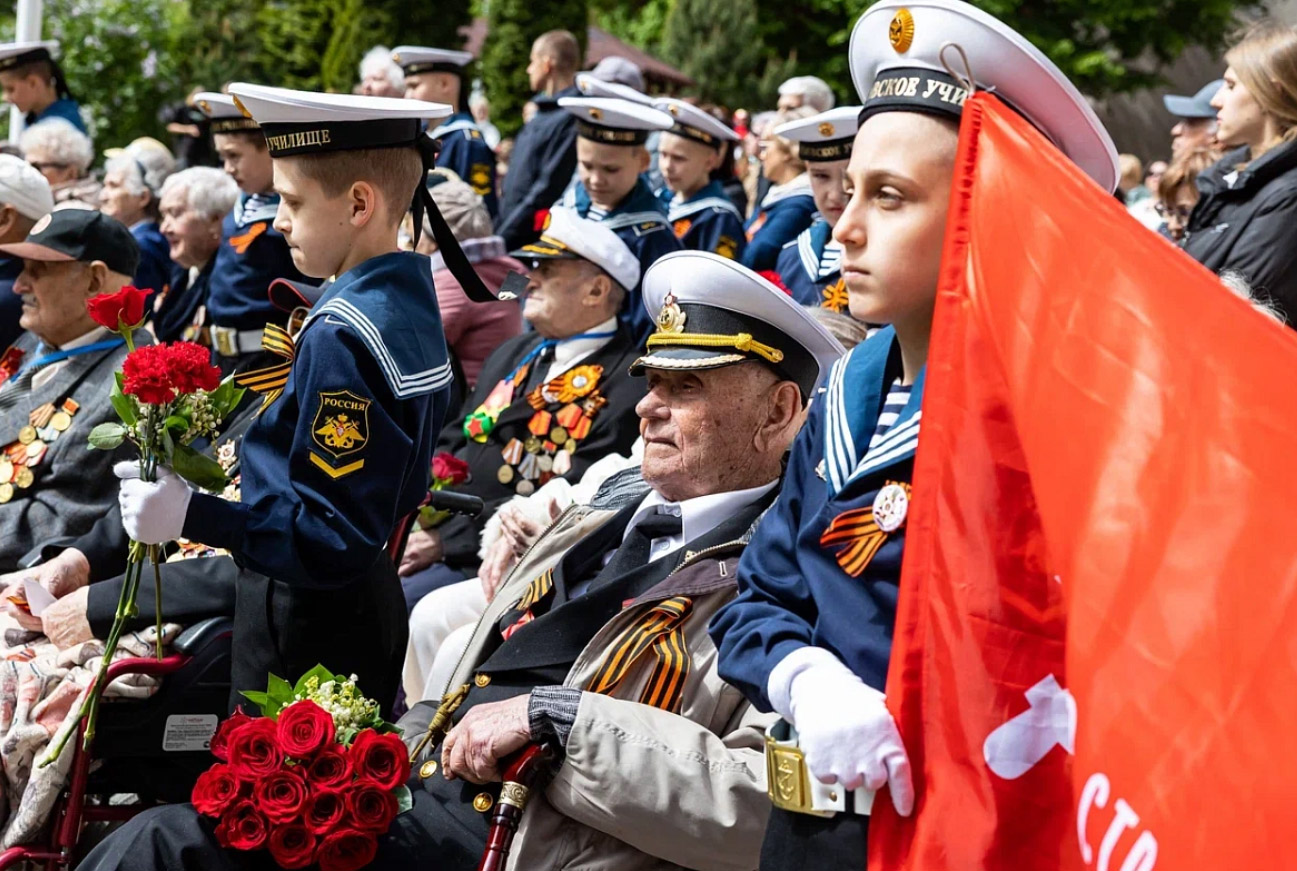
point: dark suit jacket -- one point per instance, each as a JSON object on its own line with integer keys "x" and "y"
{"x": 614, "y": 430}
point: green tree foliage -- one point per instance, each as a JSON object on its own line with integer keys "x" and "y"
{"x": 720, "y": 47}
{"x": 514, "y": 26}
{"x": 358, "y": 25}
{"x": 213, "y": 42}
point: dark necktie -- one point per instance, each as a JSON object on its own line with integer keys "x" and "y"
{"x": 634, "y": 551}
{"x": 539, "y": 368}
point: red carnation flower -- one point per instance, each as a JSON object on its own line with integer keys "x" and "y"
{"x": 324, "y": 810}
{"x": 118, "y": 311}
{"x": 347, "y": 850}
{"x": 221, "y": 740}
{"x": 380, "y": 758}
{"x": 449, "y": 468}
{"x": 216, "y": 789}
{"x": 242, "y": 828}
{"x": 254, "y": 752}
{"x": 330, "y": 767}
{"x": 776, "y": 279}
{"x": 304, "y": 729}
{"x": 372, "y": 808}
{"x": 292, "y": 846}
{"x": 147, "y": 375}
{"x": 191, "y": 367}
{"x": 281, "y": 795}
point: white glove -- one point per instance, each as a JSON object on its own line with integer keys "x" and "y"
{"x": 843, "y": 725}
{"x": 152, "y": 512}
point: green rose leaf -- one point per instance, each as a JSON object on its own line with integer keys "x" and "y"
{"x": 107, "y": 436}
{"x": 198, "y": 469}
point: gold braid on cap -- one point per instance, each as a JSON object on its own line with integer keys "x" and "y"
{"x": 741, "y": 342}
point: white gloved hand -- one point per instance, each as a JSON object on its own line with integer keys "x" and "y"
{"x": 843, "y": 725}
{"x": 152, "y": 512}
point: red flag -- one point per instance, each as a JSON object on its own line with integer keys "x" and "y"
{"x": 1097, "y": 560}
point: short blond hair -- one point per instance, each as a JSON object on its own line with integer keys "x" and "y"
{"x": 397, "y": 172}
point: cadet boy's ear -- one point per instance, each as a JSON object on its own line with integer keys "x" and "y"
{"x": 364, "y": 201}
{"x": 644, "y": 160}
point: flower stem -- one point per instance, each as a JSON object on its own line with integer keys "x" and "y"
{"x": 154, "y": 553}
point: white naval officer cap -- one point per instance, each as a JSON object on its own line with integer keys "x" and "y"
{"x": 712, "y": 312}
{"x": 693, "y": 123}
{"x": 416, "y": 59}
{"x": 591, "y": 85}
{"x": 903, "y": 54}
{"x": 567, "y": 235}
{"x": 614, "y": 121}
{"x": 224, "y": 115}
{"x": 825, "y": 137}
{"x": 13, "y": 54}
{"x": 23, "y": 187}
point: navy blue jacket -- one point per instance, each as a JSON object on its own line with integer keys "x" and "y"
{"x": 333, "y": 463}
{"x": 640, "y": 220}
{"x": 811, "y": 268}
{"x": 465, "y": 152}
{"x": 707, "y": 221}
{"x": 154, "y": 271}
{"x": 252, "y": 254}
{"x": 544, "y": 158}
{"x": 776, "y": 224}
{"x": 792, "y": 592}
{"x": 11, "y": 304}
{"x": 178, "y": 308}
{"x": 63, "y": 108}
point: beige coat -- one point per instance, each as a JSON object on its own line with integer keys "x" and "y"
{"x": 641, "y": 788}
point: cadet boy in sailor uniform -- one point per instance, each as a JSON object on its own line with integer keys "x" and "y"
{"x": 340, "y": 452}
{"x": 809, "y": 635}
{"x": 692, "y": 157}
{"x": 252, "y": 252}
{"x": 809, "y": 265}
{"x": 32, "y": 80}
{"x": 437, "y": 75}
{"x": 610, "y": 160}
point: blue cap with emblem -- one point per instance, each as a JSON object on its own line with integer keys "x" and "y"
{"x": 825, "y": 137}
{"x": 416, "y": 59}
{"x": 926, "y": 56}
{"x": 613, "y": 121}
{"x": 713, "y": 312}
{"x": 693, "y": 123}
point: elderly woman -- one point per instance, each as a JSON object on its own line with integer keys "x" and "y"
{"x": 132, "y": 180}
{"x": 62, "y": 154}
{"x": 472, "y": 331}
{"x": 192, "y": 204}
{"x": 788, "y": 207}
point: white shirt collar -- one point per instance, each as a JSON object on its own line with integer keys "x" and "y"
{"x": 569, "y": 352}
{"x": 698, "y": 516}
{"x": 794, "y": 187}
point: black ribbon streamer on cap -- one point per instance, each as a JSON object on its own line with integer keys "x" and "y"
{"x": 447, "y": 244}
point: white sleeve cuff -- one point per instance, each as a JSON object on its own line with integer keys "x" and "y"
{"x": 779, "y": 687}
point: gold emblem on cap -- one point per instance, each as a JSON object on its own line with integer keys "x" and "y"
{"x": 396, "y": 57}
{"x": 900, "y": 33}
{"x": 205, "y": 106}
{"x": 673, "y": 109}
{"x": 595, "y": 113}
{"x": 238, "y": 104}
{"x": 671, "y": 319}
{"x": 826, "y": 129}
{"x": 42, "y": 224}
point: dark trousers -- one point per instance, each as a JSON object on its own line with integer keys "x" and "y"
{"x": 801, "y": 842}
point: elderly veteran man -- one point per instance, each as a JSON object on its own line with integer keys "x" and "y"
{"x": 57, "y": 378}
{"x": 661, "y": 765}
{"x": 547, "y": 403}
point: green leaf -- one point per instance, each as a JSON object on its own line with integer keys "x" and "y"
{"x": 168, "y": 446}
{"x": 320, "y": 672}
{"x": 124, "y": 405}
{"x": 404, "y": 799}
{"x": 177, "y": 423}
{"x": 198, "y": 469}
{"x": 107, "y": 436}
{"x": 280, "y": 690}
{"x": 258, "y": 699}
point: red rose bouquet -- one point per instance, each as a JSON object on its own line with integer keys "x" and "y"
{"x": 316, "y": 779}
{"x": 448, "y": 470}
{"x": 165, "y": 397}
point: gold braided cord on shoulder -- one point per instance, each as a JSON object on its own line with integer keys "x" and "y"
{"x": 741, "y": 342}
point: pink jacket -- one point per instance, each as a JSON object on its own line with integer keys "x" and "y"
{"x": 474, "y": 330}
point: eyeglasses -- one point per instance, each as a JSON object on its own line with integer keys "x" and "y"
{"x": 41, "y": 166}
{"x": 1180, "y": 212}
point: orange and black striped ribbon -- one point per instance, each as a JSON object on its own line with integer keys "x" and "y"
{"x": 535, "y": 593}
{"x": 662, "y": 631}
{"x": 270, "y": 380}
{"x": 856, "y": 537}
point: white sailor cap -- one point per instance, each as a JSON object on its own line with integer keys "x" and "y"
{"x": 824, "y": 137}
{"x": 23, "y": 187}
{"x": 903, "y": 51}
{"x": 712, "y": 312}
{"x": 567, "y": 235}
{"x": 590, "y": 86}
{"x": 306, "y": 122}
{"x": 221, "y": 111}
{"x": 693, "y": 123}
{"x": 613, "y": 121}
{"x": 416, "y": 59}
{"x": 13, "y": 54}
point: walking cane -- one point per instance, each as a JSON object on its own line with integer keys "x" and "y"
{"x": 520, "y": 777}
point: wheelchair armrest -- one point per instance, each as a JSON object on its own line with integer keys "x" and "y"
{"x": 198, "y": 636}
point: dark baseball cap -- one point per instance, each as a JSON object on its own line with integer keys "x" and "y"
{"x": 83, "y": 235}
{"x": 1197, "y": 106}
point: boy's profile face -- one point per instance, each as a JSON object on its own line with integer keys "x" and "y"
{"x": 686, "y": 165}
{"x": 826, "y": 187}
{"x": 315, "y": 225}
{"x": 22, "y": 91}
{"x": 891, "y": 232}
{"x": 247, "y": 162}
{"x": 433, "y": 87}
{"x": 609, "y": 172}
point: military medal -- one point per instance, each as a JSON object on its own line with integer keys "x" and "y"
{"x": 6, "y": 492}
{"x": 562, "y": 463}
{"x": 27, "y": 435}
{"x": 505, "y": 474}
{"x": 10, "y": 363}
{"x": 513, "y": 452}
{"x": 539, "y": 423}
{"x": 891, "y": 505}
{"x": 40, "y": 417}
{"x": 532, "y": 445}
{"x": 23, "y": 478}
{"x": 525, "y": 488}
{"x": 558, "y": 435}
{"x": 6, "y": 472}
{"x": 35, "y": 449}
{"x": 545, "y": 463}
{"x": 856, "y": 535}
{"x": 61, "y": 421}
